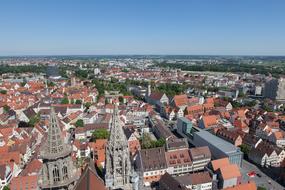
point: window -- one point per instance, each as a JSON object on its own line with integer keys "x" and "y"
{"x": 64, "y": 172}
{"x": 55, "y": 173}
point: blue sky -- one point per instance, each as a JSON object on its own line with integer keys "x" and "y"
{"x": 214, "y": 27}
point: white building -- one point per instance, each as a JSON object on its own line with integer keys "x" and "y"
{"x": 5, "y": 175}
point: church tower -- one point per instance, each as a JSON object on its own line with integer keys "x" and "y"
{"x": 118, "y": 163}
{"x": 58, "y": 171}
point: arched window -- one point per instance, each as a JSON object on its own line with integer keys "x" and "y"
{"x": 55, "y": 173}
{"x": 64, "y": 172}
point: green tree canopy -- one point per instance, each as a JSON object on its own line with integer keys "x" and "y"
{"x": 87, "y": 105}
{"x": 79, "y": 123}
{"x": 65, "y": 100}
{"x": 78, "y": 102}
{"x": 22, "y": 69}
{"x": 50, "y": 84}
{"x": 121, "y": 100}
{"x": 24, "y": 82}
{"x": 261, "y": 188}
{"x": 3, "y": 91}
{"x": 33, "y": 120}
{"x": 101, "y": 134}
{"x": 245, "y": 149}
{"x": 6, "y": 108}
{"x": 147, "y": 142}
{"x": 6, "y": 188}
{"x": 81, "y": 73}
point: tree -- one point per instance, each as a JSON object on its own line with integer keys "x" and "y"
{"x": 79, "y": 123}
{"x": 3, "y": 91}
{"x": 6, "y": 188}
{"x": 160, "y": 142}
{"x": 50, "y": 84}
{"x": 23, "y": 69}
{"x": 121, "y": 100}
{"x": 251, "y": 103}
{"x": 100, "y": 170}
{"x": 100, "y": 134}
{"x": 245, "y": 149}
{"x": 267, "y": 108}
{"x": 78, "y": 102}
{"x": 6, "y": 108}
{"x": 172, "y": 89}
{"x": 33, "y": 120}
{"x": 24, "y": 82}
{"x": 261, "y": 188}
{"x": 147, "y": 142}
{"x": 81, "y": 73}
{"x": 87, "y": 105}
{"x": 241, "y": 94}
{"x": 99, "y": 86}
{"x": 236, "y": 104}
{"x": 65, "y": 100}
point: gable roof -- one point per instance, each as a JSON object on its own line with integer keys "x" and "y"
{"x": 198, "y": 153}
{"x": 216, "y": 164}
{"x": 153, "y": 159}
{"x": 170, "y": 182}
{"x": 210, "y": 120}
{"x": 3, "y": 168}
{"x": 230, "y": 171}
{"x": 180, "y": 100}
{"x": 156, "y": 95}
{"x": 194, "y": 178}
{"x": 178, "y": 157}
{"x": 195, "y": 108}
{"x": 279, "y": 135}
{"x": 89, "y": 179}
{"x": 29, "y": 112}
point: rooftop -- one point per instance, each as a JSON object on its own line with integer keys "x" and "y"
{"x": 194, "y": 178}
{"x": 217, "y": 142}
{"x": 153, "y": 159}
{"x": 246, "y": 186}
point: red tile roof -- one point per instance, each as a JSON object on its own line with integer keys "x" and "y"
{"x": 180, "y": 100}
{"x": 178, "y": 157}
{"x": 24, "y": 182}
{"x": 246, "y": 186}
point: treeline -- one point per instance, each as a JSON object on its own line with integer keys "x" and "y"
{"x": 240, "y": 68}
{"x": 23, "y": 69}
{"x": 169, "y": 89}
{"x": 113, "y": 85}
{"x": 81, "y": 73}
{"x": 172, "y": 89}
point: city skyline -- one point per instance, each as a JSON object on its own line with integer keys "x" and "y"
{"x": 142, "y": 28}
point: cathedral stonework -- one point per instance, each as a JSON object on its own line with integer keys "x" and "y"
{"x": 119, "y": 172}
{"x": 58, "y": 171}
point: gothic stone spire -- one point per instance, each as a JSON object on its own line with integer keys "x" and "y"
{"x": 55, "y": 147}
{"x": 58, "y": 171}
{"x": 118, "y": 164}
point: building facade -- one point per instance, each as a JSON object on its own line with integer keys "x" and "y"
{"x": 275, "y": 89}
